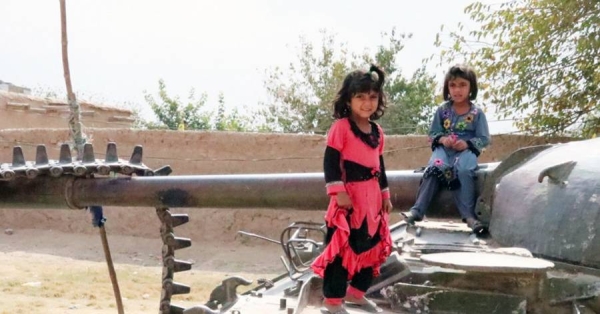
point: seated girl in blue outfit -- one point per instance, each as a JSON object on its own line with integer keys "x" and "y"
{"x": 458, "y": 134}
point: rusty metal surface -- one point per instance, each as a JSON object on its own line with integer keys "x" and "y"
{"x": 224, "y": 296}
{"x": 409, "y": 298}
{"x": 171, "y": 243}
{"x": 558, "y": 218}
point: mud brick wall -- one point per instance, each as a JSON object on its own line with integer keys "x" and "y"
{"x": 20, "y": 111}
{"x": 190, "y": 152}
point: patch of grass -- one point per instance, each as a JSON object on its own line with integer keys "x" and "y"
{"x": 87, "y": 287}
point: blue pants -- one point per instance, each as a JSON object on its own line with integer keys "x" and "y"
{"x": 457, "y": 165}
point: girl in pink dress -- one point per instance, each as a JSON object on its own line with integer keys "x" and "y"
{"x": 358, "y": 238}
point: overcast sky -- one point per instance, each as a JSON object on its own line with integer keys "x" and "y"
{"x": 119, "y": 48}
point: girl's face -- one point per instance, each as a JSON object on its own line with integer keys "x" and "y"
{"x": 459, "y": 89}
{"x": 363, "y": 105}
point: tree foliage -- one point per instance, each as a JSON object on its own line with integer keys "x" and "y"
{"x": 173, "y": 114}
{"x": 411, "y": 103}
{"x": 541, "y": 59}
{"x": 232, "y": 121}
{"x": 302, "y": 95}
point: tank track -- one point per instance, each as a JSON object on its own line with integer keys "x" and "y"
{"x": 88, "y": 166}
{"x": 171, "y": 243}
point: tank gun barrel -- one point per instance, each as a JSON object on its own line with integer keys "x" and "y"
{"x": 290, "y": 190}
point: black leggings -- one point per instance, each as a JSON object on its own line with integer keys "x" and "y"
{"x": 335, "y": 280}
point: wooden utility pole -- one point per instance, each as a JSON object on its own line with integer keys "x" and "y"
{"x": 79, "y": 139}
{"x": 75, "y": 114}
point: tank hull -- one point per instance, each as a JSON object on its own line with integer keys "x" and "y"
{"x": 551, "y": 204}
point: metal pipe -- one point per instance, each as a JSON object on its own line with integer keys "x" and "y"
{"x": 304, "y": 191}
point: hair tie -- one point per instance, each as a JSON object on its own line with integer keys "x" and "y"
{"x": 374, "y": 76}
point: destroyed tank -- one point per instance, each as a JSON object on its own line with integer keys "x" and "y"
{"x": 542, "y": 253}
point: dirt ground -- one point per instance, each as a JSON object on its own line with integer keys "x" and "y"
{"x": 45, "y": 271}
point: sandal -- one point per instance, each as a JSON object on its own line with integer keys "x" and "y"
{"x": 369, "y": 306}
{"x": 341, "y": 311}
{"x": 478, "y": 227}
{"x": 334, "y": 310}
{"x": 410, "y": 217}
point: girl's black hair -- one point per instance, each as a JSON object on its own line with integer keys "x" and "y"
{"x": 360, "y": 81}
{"x": 464, "y": 72}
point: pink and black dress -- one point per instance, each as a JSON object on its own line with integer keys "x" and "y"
{"x": 358, "y": 239}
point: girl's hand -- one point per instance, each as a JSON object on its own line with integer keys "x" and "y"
{"x": 460, "y": 145}
{"x": 387, "y": 206}
{"x": 343, "y": 200}
{"x": 447, "y": 141}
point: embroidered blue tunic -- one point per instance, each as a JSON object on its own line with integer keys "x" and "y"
{"x": 449, "y": 168}
{"x": 471, "y": 127}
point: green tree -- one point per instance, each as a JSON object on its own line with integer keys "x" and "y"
{"x": 540, "y": 59}
{"x": 302, "y": 95}
{"x": 233, "y": 121}
{"x": 220, "y": 118}
{"x": 172, "y": 113}
{"x": 411, "y": 103}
